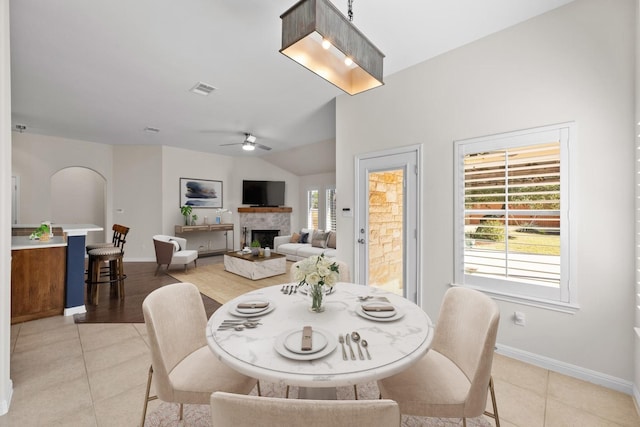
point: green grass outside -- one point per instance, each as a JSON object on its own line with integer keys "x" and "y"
{"x": 530, "y": 243}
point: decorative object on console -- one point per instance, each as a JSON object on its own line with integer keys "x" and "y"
{"x": 200, "y": 193}
{"x": 317, "y": 273}
{"x": 320, "y": 38}
{"x": 185, "y": 210}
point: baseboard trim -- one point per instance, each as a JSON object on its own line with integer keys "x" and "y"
{"x": 5, "y": 403}
{"x": 568, "y": 369}
{"x": 636, "y": 398}
{"x": 75, "y": 310}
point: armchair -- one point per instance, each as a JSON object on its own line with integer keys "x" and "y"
{"x": 172, "y": 250}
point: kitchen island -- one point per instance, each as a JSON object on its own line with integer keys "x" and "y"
{"x": 36, "y": 275}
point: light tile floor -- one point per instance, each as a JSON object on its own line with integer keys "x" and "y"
{"x": 95, "y": 374}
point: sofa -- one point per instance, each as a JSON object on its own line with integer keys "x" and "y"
{"x": 306, "y": 243}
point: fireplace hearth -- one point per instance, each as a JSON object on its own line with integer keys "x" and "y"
{"x": 265, "y": 237}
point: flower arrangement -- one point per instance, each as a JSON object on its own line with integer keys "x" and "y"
{"x": 318, "y": 273}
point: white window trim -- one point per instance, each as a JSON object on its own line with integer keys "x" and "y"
{"x": 566, "y": 300}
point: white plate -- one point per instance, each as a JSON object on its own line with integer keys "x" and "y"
{"x": 332, "y": 342}
{"x": 398, "y": 314}
{"x": 372, "y": 313}
{"x": 251, "y": 312}
{"x": 294, "y": 341}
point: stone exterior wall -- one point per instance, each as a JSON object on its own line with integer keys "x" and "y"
{"x": 385, "y": 230}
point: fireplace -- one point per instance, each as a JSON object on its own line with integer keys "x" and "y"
{"x": 265, "y": 237}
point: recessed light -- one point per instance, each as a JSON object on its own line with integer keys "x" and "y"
{"x": 202, "y": 89}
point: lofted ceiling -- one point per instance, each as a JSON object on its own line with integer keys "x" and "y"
{"x": 105, "y": 70}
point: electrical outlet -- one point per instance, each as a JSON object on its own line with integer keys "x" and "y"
{"x": 519, "y": 318}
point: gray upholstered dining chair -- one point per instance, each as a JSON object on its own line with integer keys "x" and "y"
{"x": 452, "y": 379}
{"x": 186, "y": 371}
{"x": 234, "y": 410}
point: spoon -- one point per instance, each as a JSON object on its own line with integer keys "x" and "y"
{"x": 365, "y": 344}
{"x": 344, "y": 352}
{"x": 356, "y": 339}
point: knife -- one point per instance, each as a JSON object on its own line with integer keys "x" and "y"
{"x": 353, "y": 355}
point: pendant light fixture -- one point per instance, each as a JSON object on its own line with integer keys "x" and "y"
{"x": 320, "y": 38}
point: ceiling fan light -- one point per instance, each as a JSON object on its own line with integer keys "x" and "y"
{"x": 248, "y": 146}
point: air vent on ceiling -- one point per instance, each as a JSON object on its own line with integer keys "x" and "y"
{"x": 150, "y": 129}
{"x": 202, "y": 89}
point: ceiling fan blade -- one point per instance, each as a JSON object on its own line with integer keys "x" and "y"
{"x": 264, "y": 147}
{"x": 233, "y": 143}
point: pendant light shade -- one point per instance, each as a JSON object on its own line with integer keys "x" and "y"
{"x": 317, "y": 36}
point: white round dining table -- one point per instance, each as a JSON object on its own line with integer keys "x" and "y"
{"x": 394, "y": 344}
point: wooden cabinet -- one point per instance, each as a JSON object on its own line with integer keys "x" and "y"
{"x": 186, "y": 229}
{"x": 37, "y": 283}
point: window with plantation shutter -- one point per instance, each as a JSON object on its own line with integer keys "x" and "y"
{"x": 512, "y": 233}
{"x": 330, "y": 204}
{"x": 312, "y": 209}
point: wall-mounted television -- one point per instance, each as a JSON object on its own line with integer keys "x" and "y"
{"x": 263, "y": 193}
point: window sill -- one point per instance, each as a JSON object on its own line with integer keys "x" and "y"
{"x": 569, "y": 308}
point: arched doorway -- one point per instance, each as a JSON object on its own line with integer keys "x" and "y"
{"x": 78, "y": 197}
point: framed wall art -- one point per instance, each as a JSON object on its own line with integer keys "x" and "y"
{"x": 200, "y": 193}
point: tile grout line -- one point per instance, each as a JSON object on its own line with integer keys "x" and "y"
{"x": 86, "y": 374}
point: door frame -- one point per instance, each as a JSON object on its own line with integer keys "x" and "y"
{"x": 417, "y": 265}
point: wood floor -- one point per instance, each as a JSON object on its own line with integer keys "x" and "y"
{"x": 139, "y": 283}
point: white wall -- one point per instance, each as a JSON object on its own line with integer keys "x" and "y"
{"x": 6, "y": 386}
{"x": 36, "y": 158}
{"x": 574, "y": 63}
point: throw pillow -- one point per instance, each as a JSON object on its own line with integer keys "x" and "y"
{"x": 176, "y": 245}
{"x": 319, "y": 239}
{"x": 295, "y": 238}
{"x": 304, "y": 238}
{"x": 331, "y": 240}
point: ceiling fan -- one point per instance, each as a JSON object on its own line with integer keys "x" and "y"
{"x": 249, "y": 143}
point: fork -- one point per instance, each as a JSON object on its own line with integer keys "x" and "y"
{"x": 344, "y": 352}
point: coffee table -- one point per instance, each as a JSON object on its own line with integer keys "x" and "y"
{"x": 255, "y": 267}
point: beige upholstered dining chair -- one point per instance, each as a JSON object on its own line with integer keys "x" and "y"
{"x": 452, "y": 379}
{"x": 234, "y": 410}
{"x": 186, "y": 371}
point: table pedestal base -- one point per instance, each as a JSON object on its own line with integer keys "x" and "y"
{"x": 317, "y": 393}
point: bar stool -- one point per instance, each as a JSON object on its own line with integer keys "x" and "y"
{"x": 112, "y": 259}
{"x": 110, "y": 255}
{"x": 119, "y": 234}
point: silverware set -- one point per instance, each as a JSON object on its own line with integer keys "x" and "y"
{"x": 355, "y": 337}
{"x": 239, "y": 324}
{"x": 289, "y": 289}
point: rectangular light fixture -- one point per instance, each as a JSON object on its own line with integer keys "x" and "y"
{"x": 309, "y": 24}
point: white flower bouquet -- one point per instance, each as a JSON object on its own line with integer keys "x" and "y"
{"x": 319, "y": 273}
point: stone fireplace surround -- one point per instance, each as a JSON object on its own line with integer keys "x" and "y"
{"x": 263, "y": 219}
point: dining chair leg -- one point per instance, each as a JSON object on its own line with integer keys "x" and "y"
{"x": 147, "y": 399}
{"x": 494, "y": 404}
{"x": 464, "y": 422}
{"x": 181, "y": 412}
{"x": 286, "y": 393}
{"x": 355, "y": 391}
{"x": 258, "y": 385}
